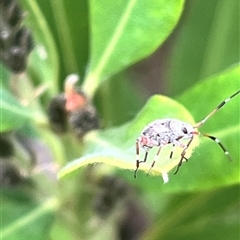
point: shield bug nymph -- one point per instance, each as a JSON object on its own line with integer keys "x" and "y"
{"x": 162, "y": 132}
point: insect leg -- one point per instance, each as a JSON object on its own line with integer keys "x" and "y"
{"x": 171, "y": 154}
{"x": 137, "y": 160}
{"x": 220, "y": 145}
{"x": 183, "y": 155}
{"x": 155, "y": 159}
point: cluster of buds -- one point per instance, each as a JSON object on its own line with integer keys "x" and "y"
{"x": 72, "y": 109}
{"x": 16, "y": 41}
{"x": 115, "y": 197}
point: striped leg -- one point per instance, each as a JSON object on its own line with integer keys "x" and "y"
{"x": 155, "y": 159}
{"x": 183, "y": 155}
{"x": 171, "y": 154}
{"x": 137, "y": 158}
{"x": 220, "y": 145}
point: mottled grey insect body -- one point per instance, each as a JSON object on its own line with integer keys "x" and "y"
{"x": 164, "y": 131}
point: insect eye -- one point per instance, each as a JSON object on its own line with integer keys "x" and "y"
{"x": 184, "y": 130}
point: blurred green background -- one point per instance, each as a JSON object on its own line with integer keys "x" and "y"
{"x": 187, "y": 50}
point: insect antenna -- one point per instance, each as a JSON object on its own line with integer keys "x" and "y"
{"x": 199, "y": 124}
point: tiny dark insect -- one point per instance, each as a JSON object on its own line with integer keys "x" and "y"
{"x": 171, "y": 131}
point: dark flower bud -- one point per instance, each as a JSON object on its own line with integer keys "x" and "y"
{"x": 23, "y": 39}
{"x": 11, "y": 11}
{"x": 6, "y": 147}
{"x": 9, "y": 175}
{"x": 83, "y": 120}
{"x": 16, "y": 41}
{"x": 57, "y": 114}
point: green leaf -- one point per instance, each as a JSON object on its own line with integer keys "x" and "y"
{"x": 4, "y": 76}
{"x": 69, "y": 24}
{"x": 208, "y": 166}
{"x": 18, "y": 217}
{"x": 13, "y": 114}
{"x": 116, "y": 146}
{"x": 202, "y": 46}
{"x": 123, "y": 32}
{"x": 43, "y": 61}
{"x": 203, "y": 215}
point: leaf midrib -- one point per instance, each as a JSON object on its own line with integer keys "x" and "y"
{"x": 93, "y": 77}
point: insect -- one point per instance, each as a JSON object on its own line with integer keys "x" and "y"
{"x": 172, "y": 131}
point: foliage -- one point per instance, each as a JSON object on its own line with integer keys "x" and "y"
{"x": 101, "y": 40}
